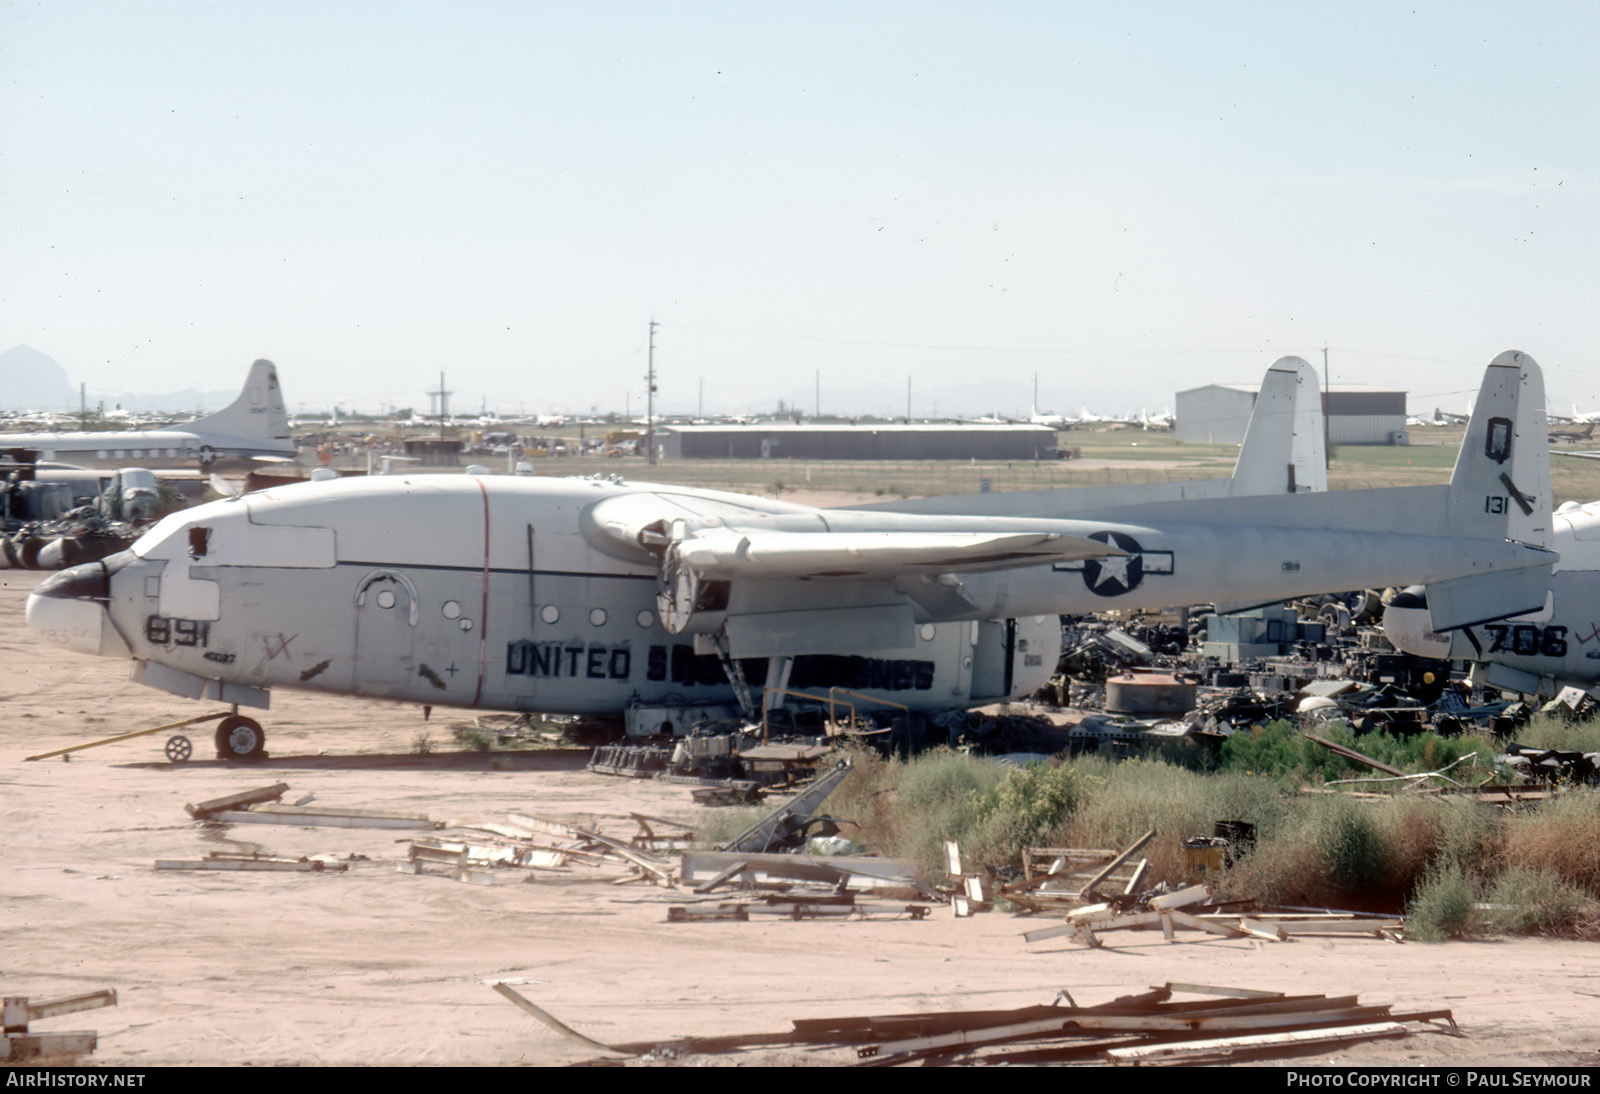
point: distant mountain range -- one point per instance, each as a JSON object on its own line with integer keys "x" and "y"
{"x": 30, "y": 380}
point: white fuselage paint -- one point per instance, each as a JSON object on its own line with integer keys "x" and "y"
{"x": 496, "y": 601}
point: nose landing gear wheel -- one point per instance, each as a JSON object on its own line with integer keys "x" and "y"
{"x": 179, "y": 748}
{"x": 240, "y": 738}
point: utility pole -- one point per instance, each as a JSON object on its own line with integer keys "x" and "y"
{"x": 650, "y": 397}
{"x": 816, "y": 409}
{"x": 908, "y": 400}
{"x": 444, "y": 404}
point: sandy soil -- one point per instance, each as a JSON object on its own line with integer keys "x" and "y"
{"x": 378, "y": 967}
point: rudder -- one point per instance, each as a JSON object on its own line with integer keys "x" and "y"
{"x": 257, "y": 415}
{"x": 1500, "y": 488}
{"x": 1283, "y": 449}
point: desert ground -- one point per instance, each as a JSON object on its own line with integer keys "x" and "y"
{"x": 373, "y": 966}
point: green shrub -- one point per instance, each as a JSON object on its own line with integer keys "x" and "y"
{"x": 1282, "y": 752}
{"x": 472, "y": 739}
{"x": 1557, "y": 731}
{"x": 1441, "y": 907}
{"x": 1527, "y": 900}
{"x": 1024, "y": 808}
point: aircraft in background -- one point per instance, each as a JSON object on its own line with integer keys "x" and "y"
{"x": 598, "y": 597}
{"x": 1574, "y": 435}
{"x": 255, "y": 425}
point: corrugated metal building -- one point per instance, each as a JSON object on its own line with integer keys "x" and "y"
{"x": 1214, "y": 414}
{"x": 787, "y": 440}
{"x": 1218, "y": 414}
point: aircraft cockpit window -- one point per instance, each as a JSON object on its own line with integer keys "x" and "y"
{"x": 1498, "y": 445}
{"x": 199, "y": 542}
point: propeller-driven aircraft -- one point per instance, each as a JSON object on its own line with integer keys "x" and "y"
{"x": 595, "y": 596}
{"x": 255, "y": 425}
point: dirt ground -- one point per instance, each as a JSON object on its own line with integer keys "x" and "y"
{"x": 374, "y": 966}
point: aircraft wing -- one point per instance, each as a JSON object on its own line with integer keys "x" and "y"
{"x": 730, "y": 552}
{"x": 1576, "y": 455}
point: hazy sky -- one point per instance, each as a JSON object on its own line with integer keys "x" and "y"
{"x": 1124, "y": 199}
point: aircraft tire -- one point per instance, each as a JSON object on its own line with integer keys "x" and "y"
{"x": 240, "y": 738}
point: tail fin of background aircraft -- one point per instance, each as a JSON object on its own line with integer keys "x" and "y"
{"x": 258, "y": 414}
{"x": 1283, "y": 449}
{"x": 1500, "y": 490}
{"x": 1501, "y": 483}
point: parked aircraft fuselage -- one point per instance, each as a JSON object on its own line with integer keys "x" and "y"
{"x": 500, "y": 593}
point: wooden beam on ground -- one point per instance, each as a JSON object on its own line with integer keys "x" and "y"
{"x": 633, "y": 856}
{"x": 1111, "y": 867}
{"x": 233, "y": 801}
{"x": 283, "y": 865}
{"x": 315, "y": 820}
{"x": 720, "y": 877}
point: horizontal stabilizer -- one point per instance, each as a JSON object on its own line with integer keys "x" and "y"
{"x": 1481, "y": 598}
{"x": 723, "y": 552}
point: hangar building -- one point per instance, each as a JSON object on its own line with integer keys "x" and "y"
{"x": 866, "y": 441}
{"x": 1218, "y": 414}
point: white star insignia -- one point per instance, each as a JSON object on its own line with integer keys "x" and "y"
{"x": 1114, "y": 569}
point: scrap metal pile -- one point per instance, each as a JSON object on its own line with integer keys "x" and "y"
{"x": 1148, "y": 681}
{"x": 53, "y": 518}
{"x": 1220, "y": 1023}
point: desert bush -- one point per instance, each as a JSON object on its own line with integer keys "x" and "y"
{"x": 1328, "y": 852}
{"x": 1560, "y": 835}
{"x": 1533, "y": 900}
{"x": 472, "y": 739}
{"x": 1024, "y": 808}
{"x": 721, "y": 825}
{"x": 939, "y": 797}
{"x": 1442, "y": 905}
{"x": 1122, "y": 801}
{"x": 1556, "y": 731}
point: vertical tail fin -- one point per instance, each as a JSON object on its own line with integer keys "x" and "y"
{"x": 257, "y": 415}
{"x": 1283, "y": 450}
{"x": 1501, "y": 484}
{"x": 1500, "y": 491}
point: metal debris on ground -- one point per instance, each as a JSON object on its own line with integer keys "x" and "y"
{"x": 794, "y": 822}
{"x": 218, "y": 860}
{"x": 321, "y": 817}
{"x": 1552, "y": 765}
{"x": 1152, "y": 1026}
{"x": 1191, "y": 908}
{"x": 1057, "y": 878}
{"x": 567, "y": 847}
{"x": 795, "y": 906}
{"x": 967, "y": 895}
{"x": 26, "y": 1046}
{"x": 708, "y": 870}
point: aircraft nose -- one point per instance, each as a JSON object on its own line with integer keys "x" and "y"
{"x": 1409, "y": 627}
{"x": 69, "y": 608}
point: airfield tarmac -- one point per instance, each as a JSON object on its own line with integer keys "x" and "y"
{"x": 378, "y": 967}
